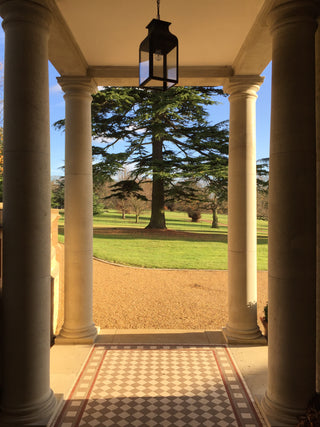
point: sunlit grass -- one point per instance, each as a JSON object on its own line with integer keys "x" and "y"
{"x": 202, "y": 248}
{"x": 155, "y": 252}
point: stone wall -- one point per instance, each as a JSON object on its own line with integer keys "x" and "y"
{"x": 54, "y": 271}
{"x": 54, "y": 266}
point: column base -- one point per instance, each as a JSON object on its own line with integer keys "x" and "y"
{"x": 38, "y": 414}
{"x": 77, "y": 336}
{"x": 277, "y": 415}
{"x": 253, "y": 337}
{"x": 57, "y": 410}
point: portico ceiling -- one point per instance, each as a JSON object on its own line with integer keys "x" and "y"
{"x": 217, "y": 38}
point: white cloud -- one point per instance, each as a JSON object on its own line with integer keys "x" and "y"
{"x": 55, "y": 88}
{"x": 102, "y": 139}
{"x": 132, "y": 128}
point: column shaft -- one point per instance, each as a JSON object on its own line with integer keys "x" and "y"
{"x": 292, "y": 213}
{"x": 78, "y": 324}
{"x": 318, "y": 200}
{"x": 26, "y": 395}
{"x": 242, "y": 240}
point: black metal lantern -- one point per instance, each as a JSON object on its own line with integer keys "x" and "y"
{"x": 158, "y": 57}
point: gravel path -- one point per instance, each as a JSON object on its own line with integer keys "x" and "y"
{"x": 138, "y": 298}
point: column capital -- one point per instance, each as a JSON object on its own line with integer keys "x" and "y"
{"x": 78, "y": 86}
{"x": 247, "y": 85}
{"x": 35, "y": 12}
{"x": 291, "y": 12}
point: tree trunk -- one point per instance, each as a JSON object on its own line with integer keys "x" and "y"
{"x": 123, "y": 213}
{"x": 137, "y": 219}
{"x": 214, "y": 218}
{"x": 157, "y": 219}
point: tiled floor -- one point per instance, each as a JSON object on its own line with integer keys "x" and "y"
{"x": 159, "y": 385}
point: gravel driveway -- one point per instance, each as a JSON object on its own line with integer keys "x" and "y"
{"x": 139, "y": 298}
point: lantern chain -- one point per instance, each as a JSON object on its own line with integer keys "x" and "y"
{"x": 158, "y": 9}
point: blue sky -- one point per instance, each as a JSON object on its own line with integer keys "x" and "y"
{"x": 219, "y": 113}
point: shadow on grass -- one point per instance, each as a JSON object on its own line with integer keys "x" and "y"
{"x": 110, "y": 217}
{"x": 183, "y": 222}
{"x": 262, "y": 240}
{"x": 135, "y": 233}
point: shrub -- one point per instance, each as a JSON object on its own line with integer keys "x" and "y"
{"x": 195, "y": 215}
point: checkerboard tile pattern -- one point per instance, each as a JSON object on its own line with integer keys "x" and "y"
{"x": 151, "y": 386}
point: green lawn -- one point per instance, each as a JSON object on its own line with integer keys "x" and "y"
{"x": 201, "y": 248}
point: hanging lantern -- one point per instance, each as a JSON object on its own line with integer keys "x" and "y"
{"x": 158, "y": 56}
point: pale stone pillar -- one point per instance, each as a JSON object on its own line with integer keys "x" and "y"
{"x": 318, "y": 200}
{"x": 242, "y": 234}
{"x": 292, "y": 213}
{"x": 26, "y": 395}
{"x": 78, "y": 324}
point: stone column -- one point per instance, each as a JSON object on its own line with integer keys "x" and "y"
{"x": 26, "y": 395}
{"x": 318, "y": 198}
{"x": 292, "y": 213}
{"x": 242, "y": 212}
{"x": 78, "y": 325}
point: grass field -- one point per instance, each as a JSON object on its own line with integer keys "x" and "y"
{"x": 183, "y": 245}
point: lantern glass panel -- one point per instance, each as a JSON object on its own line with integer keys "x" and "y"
{"x": 172, "y": 65}
{"x": 158, "y": 65}
{"x": 144, "y": 66}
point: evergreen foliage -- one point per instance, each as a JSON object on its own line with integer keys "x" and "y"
{"x": 57, "y": 197}
{"x": 125, "y": 189}
{"x": 262, "y": 188}
{"x": 57, "y": 193}
{"x": 128, "y": 190}
{"x": 165, "y": 135}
